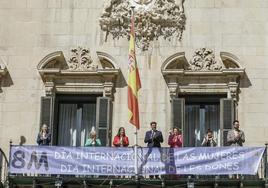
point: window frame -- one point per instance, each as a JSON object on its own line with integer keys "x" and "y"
{"x": 68, "y": 99}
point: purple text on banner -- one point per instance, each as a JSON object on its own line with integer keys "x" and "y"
{"x": 121, "y": 161}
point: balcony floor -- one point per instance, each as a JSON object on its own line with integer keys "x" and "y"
{"x": 180, "y": 181}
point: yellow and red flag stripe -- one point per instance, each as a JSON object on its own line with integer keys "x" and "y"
{"x": 134, "y": 83}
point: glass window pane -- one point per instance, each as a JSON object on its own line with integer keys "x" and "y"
{"x": 199, "y": 117}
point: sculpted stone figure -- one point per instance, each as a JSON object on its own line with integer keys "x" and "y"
{"x": 153, "y": 19}
{"x": 179, "y": 5}
{"x": 204, "y": 59}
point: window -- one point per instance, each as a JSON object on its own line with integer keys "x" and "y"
{"x": 78, "y": 75}
{"x": 194, "y": 114}
{"x": 201, "y": 113}
{"x": 75, "y": 115}
{"x": 203, "y": 74}
{"x": 71, "y": 118}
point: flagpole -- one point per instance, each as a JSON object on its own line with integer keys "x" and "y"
{"x": 136, "y": 155}
{"x": 136, "y": 130}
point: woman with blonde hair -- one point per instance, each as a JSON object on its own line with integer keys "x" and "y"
{"x": 44, "y": 137}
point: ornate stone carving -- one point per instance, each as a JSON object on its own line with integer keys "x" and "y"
{"x": 49, "y": 87}
{"x": 153, "y": 19}
{"x": 81, "y": 60}
{"x": 206, "y": 78}
{"x": 79, "y": 75}
{"x": 204, "y": 60}
{"x": 108, "y": 89}
{"x": 233, "y": 88}
{"x": 173, "y": 89}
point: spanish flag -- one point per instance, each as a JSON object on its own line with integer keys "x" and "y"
{"x": 134, "y": 83}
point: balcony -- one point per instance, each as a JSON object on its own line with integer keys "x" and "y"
{"x": 28, "y": 179}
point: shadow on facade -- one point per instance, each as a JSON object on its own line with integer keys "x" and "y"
{"x": 245, "y": 82}
{"x": 6, "y": 81}
{"x": 22, "y": 140}
{"x": 121, "y": 81}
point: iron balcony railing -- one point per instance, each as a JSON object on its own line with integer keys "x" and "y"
{"x": 35, "y": 180}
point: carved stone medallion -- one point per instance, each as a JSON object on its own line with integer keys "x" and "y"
{"x": 153, "y": 19}
{"x": 203, "y": 60}
{"x": 81, "y": 60}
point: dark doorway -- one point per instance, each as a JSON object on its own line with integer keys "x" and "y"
{"x": 201, "y": 113}
{"x": 75, "y": 115}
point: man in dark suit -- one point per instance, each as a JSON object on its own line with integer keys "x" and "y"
{"x": 153, "y": 138}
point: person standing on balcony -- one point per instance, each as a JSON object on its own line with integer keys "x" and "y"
{"x": 121, "y": 140}
{"x": 93, "y": 140}
{"x": 235, "y": 137}
{"x": 44, "y": 137}
{"x": 209, "y": 139}
{"x": 175, "y": 141}
{"x": 175, "y": 138}
{"x": 153, "y": 138}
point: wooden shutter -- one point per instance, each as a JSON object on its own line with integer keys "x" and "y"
{"x": 1, "y": 161}
{"x": 177, "y": 113}
{"x": 227, "y": 115}
{"x": 104, "y": 120}
{"x": 46, "y": 113}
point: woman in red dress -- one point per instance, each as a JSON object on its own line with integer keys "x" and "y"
{"x": 121, "y": 140}
{"x": 175, "y": 141}
{"x": 175, "y": 138}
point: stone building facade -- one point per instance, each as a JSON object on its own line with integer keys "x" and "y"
{"x": 50, "y": 49}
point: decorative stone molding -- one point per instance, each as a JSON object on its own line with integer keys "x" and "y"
{"x": 108, "y": 88}
{"x": 204, "y": 76}
{"x": 79, "y": 75}
{"x": 107, "y": 61}
{"x": 49, "y": 88}
{"x": 203, "y": 60}
{"x": 173, "y": 89}
{"x": 81, "y": 60}
{"x": 153, "y": 19}
{"x": 230, "y": 61}
{"x": 233, "y": 87}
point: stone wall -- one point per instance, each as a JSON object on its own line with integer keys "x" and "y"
{"x": 31, "y": 29}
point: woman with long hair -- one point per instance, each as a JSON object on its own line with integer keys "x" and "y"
{"x": 44, "y": 137}
{"x": 121, "y": 140}
{"x": 175, "y": 138}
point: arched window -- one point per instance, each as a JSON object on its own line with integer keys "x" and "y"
{"x": 204, "y": 93}
{"x": 78, "y": 96}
